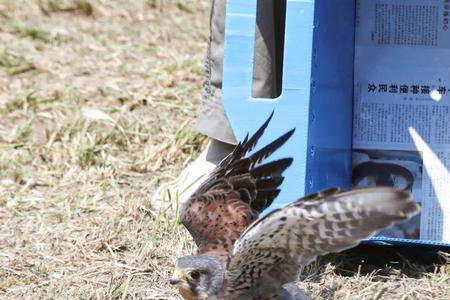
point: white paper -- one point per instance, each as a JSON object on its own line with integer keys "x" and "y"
{"x": 402, "y": 106}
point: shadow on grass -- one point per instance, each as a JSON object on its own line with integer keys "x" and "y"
{"x": 413, "y": 262}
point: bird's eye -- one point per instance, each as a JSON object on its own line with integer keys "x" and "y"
{"x": 194, "y": 275}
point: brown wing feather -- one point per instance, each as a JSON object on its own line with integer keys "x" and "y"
{"x": 231, "y": 198}
{"x": 217, "y": 219}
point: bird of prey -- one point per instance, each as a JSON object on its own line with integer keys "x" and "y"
{"x": 241, "y": 257}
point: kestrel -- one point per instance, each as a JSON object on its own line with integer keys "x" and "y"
{"x": 241, "y": 257}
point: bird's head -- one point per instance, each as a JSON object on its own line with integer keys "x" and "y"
{"x": 198, "y": 277}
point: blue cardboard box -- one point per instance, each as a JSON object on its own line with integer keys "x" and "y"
{"x": 323, "y": 80}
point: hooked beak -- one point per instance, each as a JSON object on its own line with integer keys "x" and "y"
{"x": 176, "y": 278}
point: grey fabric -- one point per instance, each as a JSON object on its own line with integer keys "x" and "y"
{"x": 212, "y": 120}
{"x": 218, "y": 150}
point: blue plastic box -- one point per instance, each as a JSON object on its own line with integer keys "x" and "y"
{"x": 316, "y": 97}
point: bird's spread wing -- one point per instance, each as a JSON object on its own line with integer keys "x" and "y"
{"x": 271, "y": 251}
{"x": 236, "y": 191}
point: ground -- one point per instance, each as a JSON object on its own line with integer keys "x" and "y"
{"x": 97, "y": 108}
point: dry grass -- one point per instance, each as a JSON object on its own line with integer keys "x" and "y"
{"x": 97, "y": 104}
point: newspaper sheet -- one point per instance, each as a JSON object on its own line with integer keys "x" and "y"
{"x": 401, "y": 134}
